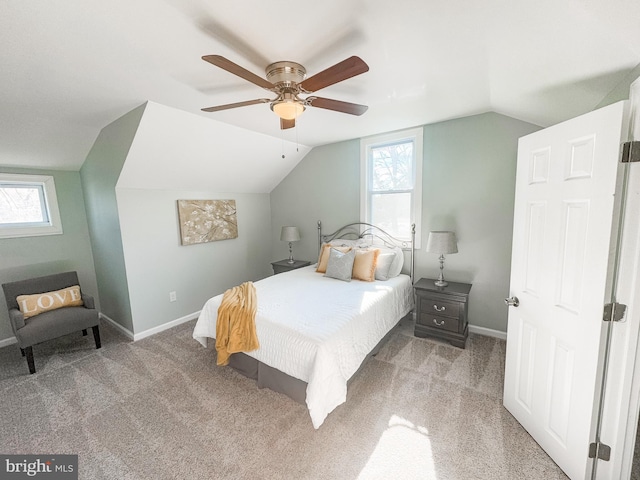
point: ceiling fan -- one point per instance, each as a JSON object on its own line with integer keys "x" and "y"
{"x": 287, "y": 81}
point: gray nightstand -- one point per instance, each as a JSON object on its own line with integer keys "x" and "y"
{"x": 284, "y": 265}
{"x": 442, "y": 311}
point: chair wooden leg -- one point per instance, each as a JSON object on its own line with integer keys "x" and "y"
{"x": 22, "y": 352}
{"x": 96, "y": 336}
{"x": 84, "y": 332}
{"x": 30, "y": 362}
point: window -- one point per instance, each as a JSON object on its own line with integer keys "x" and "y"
{"x": 28, "y": 206}
{"x": 391, "y": 176}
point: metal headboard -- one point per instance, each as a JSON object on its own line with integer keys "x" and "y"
{"x": 356, "y": 230}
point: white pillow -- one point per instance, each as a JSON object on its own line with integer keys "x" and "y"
{"x": 396, "y": 265}
{"x": 383, "y": 265}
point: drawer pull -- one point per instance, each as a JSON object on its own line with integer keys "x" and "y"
{"x": 436, "y": 321}
{"x": 439, "y": 309}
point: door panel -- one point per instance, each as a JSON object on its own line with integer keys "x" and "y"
{"x": 565, "y": 186}
{"x": 534, "y": 235}
{"x": 559, "y": 396}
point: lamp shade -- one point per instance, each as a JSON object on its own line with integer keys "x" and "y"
{"x": 442, "y": 242}
{"x": 289, "y": 234}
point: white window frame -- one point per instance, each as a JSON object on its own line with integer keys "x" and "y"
{"x": 53, "y": 224}
{"x": 366, "y": 144}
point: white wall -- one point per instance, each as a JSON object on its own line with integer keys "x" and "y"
{"x": 157, "y": 264}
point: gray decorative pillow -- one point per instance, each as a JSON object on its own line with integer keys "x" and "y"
{"x": 340, "y": 264}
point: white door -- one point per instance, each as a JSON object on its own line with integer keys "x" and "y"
{"x": 563, "y": 221}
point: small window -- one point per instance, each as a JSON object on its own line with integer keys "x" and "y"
{"x": 391, "y": 188}
{"x": 28, "y": 206}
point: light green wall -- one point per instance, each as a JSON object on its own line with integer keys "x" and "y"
{"x": 469, "y": 174}
{"x": 99, "y": 174}
{"x": 468, "y": 186}
{"x": 323, "y": 186}
{"x": 28, "y": 257}
{"x": 157, "y": 263}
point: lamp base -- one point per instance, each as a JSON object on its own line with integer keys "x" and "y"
{"x": 290, "y": 255}
{"x": 440, "y": 282}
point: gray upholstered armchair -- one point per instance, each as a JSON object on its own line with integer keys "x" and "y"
{"x": 52, "y": 323}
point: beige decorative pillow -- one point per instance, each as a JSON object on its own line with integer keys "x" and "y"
{"x": 324, "y": 256}
{"x": 364, "y": 266}
{"x": 31, "y": 305}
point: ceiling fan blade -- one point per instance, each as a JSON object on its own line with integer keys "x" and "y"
{"x": 231, "y": 67}
{"x": 284, "y": 123}
{"x": 348, "y": 68}
{"x": 235, "y": 105}
{"x": 337, "y": 105}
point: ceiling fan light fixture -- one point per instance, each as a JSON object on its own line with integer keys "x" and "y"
{"x": 287, "y": 109}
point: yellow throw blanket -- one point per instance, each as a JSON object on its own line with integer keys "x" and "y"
{"x": 236, "y": 326}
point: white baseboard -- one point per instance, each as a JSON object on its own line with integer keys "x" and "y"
{"x": 487, "y": 332}
{"x": 8, "y": 341}
{"x": 166, "y": 326}
{"x": 125, "y": 331}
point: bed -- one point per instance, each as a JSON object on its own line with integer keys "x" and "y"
{"x": 316, "y": 331}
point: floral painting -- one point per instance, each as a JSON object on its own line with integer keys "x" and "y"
{"x": 204, "y": 221}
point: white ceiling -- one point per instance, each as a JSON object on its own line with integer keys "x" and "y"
{"x": 68, "y": 68}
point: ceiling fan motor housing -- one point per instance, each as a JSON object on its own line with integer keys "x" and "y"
{"x": 285, "y": 73}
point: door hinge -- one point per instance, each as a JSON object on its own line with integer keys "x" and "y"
{"x": 613, "y": 312}
{"x": 600, "y": 451}
{"x": 630, "y": 152}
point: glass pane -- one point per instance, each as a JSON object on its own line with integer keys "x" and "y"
{"x": 392, "y": 167}
{"x": 392, "y": 213}
{"x": 21, "y": 205}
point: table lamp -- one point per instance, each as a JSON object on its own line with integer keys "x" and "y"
{"x": 290, "y": 234}
{"x": 442, "y": 243}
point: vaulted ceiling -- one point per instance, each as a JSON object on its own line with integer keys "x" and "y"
{"x": 68, "y": 68}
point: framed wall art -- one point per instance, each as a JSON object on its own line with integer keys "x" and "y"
{"x": 203, "y": 221}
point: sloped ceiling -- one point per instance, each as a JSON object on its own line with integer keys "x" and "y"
{"x": 173, "y": 149}
{"x": 71, "y": 67}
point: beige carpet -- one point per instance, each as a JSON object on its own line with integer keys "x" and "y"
{"x": 160, "y": 409}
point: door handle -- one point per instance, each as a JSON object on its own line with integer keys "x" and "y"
{"x": 512, "y": 302}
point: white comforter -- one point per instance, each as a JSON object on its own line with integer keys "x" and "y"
{"x": 318, "y": 329}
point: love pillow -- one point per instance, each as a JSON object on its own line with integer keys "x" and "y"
{"x": 37, "y": 303}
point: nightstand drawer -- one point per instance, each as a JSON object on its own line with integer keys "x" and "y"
{"x": 432, "y": 306}
{"x": 436, "y": 321}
